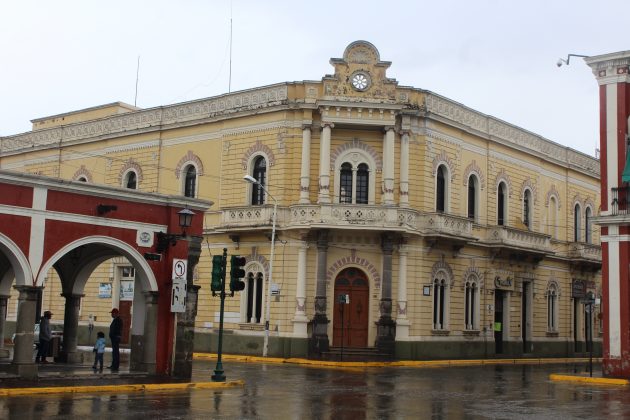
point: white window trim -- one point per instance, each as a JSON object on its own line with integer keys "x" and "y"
{"x": 355, "y": 157}
{"x": 447, "y": 187}
{"x": 477, "y": 197}
{"x": 506, "y": 203}
{"x": 182, "y": 177}
{"x": 250, "y": 172}
{"x": 253, "y": 268}
{"x": 530, "y": 208}
{"x": 439, "y": 276}
{"x": 474, "y": 282}
{"x": 125, "y": 178}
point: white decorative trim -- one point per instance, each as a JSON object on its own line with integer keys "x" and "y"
{"x": 19, "y": 263}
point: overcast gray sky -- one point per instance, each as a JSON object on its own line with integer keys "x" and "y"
{"x": 496, "y": 56}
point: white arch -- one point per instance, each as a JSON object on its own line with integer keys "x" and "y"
{"x": 125, "y": 249}
{"x": 19, "y": 264}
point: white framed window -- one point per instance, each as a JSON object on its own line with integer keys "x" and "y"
{"x": 588, "y": 225}
{"x": 354, "y": 183}
{"x": 473, "y": 197}
{"x": 130, "y": 180}
{"x": 502, "y": 204}
{"x": 577, "y": 223}
{"x": 190, "y": 181}
{"x": 259, "y": 172}
{"x": 528, "y": 209}
{"x": 552, "y": 308}
{"x": 553, "y": 218}
{"x": 440, "y": 300}
{"x": 442, "y": 181}
{"x": 471, "y": 303}
{"x": 252, "y": 295}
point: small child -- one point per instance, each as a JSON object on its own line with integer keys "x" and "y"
{"x": 99, "y": 350}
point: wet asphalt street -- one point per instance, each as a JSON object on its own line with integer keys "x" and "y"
{"x": 276, "y": 391}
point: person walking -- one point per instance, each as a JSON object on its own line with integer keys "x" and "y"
{"x": 99, "y": 350}
{"x": 45, "y": 335}
{"x": 115, "y": 334}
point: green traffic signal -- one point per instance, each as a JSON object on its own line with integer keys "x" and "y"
{"x": 237, "y": 273}
{"x": 217, "y": 273}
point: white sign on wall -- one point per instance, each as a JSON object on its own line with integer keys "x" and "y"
{"x": 179, "y": 269}
{"x": 178, "y": 295}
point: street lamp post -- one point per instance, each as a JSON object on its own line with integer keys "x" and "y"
{"x": 254, "y": 181}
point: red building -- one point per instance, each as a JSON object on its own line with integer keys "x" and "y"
{"x": 612, "y": 74}
{"x": 72, "y": 227}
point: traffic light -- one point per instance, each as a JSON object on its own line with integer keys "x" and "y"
{"x": 217, "y": 274}
{"x": 237, "y": 273}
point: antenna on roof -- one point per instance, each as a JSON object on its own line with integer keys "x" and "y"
{"x": 230, "y": 79}
{"x": 135, "y": 99}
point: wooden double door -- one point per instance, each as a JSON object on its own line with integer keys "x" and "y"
{"x": 350, "y": 319}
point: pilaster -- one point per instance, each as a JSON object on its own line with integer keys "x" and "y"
{"x": 305, "y": 177}
{"x": 324, "y": 163}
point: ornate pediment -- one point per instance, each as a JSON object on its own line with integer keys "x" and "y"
{"x": 360, "y": 75}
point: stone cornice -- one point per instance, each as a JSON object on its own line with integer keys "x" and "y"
{"x": 508, "y": 134}
{"x": 184, "y": 113}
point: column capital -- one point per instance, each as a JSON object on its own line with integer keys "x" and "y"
{"x": 307, "y": 126}
{"x": 404, "y": 132}
{"x": 72, "y": 295}
{"x": 327, "y": 124}
{"x": 388, "y": 128}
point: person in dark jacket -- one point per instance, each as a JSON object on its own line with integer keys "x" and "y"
{"x": 115, "y": 334}
{"x": 45, "y": 335}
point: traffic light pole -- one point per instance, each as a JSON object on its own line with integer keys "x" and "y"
{"x": 218, "y": 371}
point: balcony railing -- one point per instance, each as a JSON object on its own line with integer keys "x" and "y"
{"x": 619, "y": 203}
{"x": 519, "y": 239}
{"x": 584, "y": 251}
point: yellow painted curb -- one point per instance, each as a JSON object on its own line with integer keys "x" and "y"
{"x": 589, "y": 380}
{"x": 399, "y": 363}
{"x": 6, "y": 392}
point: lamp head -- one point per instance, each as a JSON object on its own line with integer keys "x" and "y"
{"x": 250, "y": 179}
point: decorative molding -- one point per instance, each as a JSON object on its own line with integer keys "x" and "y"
{"x": 354, "y": 261}
{"x": 224, "y": 105}
{"x": 359, "y": 146}
{"x": 528, "y": 184}
{"x": 443, "y": 158}
{"x": 442, "y": 266}
{"x": 553, "y": 192}
{"x": 473, "y": 271}
{"x": 83, "y": 172}
{"x": 130, "y": 164}
{"x": 256, "y": 148}
{"x": 190, "y": 157}
{"x": 471, "y": 169}
{"x": 503, "y": 176}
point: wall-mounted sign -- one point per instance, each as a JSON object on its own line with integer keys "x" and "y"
{"x": 105, "y": 290}
{"x": 178, "y": 295}
{"x": 180, "y": 267}
{"x": 578, "y": 289}
{"x": 144, "y": 238}
{"x": 426, "y": 291}
{"x": 504, "y": 283}
{"x": 126, "y": 290}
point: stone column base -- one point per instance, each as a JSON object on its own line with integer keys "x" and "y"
{"x": 386, "y": 335}
{"x": 318, "y": 341}
{"x": 300, "y": 327}
{"x": 402, "y": 329}
{"x": 25, "y": 370}
{"x": 73, "y": 357}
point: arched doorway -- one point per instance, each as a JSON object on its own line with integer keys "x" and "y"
{"x": 350, "y": 320}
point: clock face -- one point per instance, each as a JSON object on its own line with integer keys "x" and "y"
{"x": 360, "y": 81}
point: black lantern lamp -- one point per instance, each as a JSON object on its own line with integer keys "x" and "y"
{"x": 166, "y": 239}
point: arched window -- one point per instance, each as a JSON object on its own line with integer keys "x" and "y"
{"x": 472, "y": 197}
{"x": 552, "y": 308}
{"x": 253, "y": 298}
{"x": 260, "y": 174}
{"x": 345, "y": 186}
{"x": 82, "y": 179}
{"x": 470, "y": 316}
{"x": 502, "y": 204}
{"x": 527, "y": 208}
{"x": 440, "y": 190}
{"x": 354, "y": 184}
{"x": 131, "y": 180}
{"x": 190, "y": 181}
{"x": 553, "y": 218}
{"x": 363, "y": 184}
{"x": 440, "y": 301}
{"x": 588, "y": 225}
{"x": 577, "y": 219}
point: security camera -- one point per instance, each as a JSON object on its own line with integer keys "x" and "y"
{"x": 559, "y": 63}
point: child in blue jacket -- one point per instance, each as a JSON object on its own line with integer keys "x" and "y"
{"x": 99, "y": 351}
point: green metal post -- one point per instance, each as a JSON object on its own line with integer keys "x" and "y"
{"x": 218, "y": 370}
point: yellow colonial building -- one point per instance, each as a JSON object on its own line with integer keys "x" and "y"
{"x": 407, "y": 225}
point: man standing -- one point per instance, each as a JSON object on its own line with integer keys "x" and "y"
{"x": 115, "y": 333}
{"x": 45, "y": 335}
